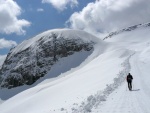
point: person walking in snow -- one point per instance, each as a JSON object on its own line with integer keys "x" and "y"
{"x": 129, "y": 80}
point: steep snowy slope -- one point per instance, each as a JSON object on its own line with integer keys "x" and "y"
{"x": 74, "y": 87}
{"x": 138, "y": 100}
{"x": 98, "y": 84}
{"x": 80, "y": 46}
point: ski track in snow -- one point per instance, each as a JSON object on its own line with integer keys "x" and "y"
{"x": 94, "y": 101}
{"x": 124, "y": 101}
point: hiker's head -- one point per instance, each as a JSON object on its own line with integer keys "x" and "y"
{"x": 129, "y": 74}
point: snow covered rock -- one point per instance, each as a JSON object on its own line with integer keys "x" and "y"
{"x": 131, "y": 28}
{"x": 33, "y": 58}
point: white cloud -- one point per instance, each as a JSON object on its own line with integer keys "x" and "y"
{"x": 2, "y": 58}
{"x": 40, "y": 10}
{"x": 9, "y": 22}
{"x": 108, "y": 15}
{"x": 7, "y": 43}
{"x": 61, "y": 4}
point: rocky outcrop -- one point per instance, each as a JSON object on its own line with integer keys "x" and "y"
{"x": 131, "y": 28}
{"x": 28, "y": 65}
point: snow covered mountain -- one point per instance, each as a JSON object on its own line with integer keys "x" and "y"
{"x": 34, "y": 58}
{"x": 97, "y": 84}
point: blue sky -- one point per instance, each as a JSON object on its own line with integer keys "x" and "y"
{"x": 23, "y": 19}
{"x": 42, "y": 17}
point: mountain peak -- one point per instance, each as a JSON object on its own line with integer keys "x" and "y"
{"x": 34, "y": 58}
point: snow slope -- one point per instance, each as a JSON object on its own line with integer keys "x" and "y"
{"x": 70, "y": 89}
{"x": 98, "y": 85}
{"x": 136, "y": 101}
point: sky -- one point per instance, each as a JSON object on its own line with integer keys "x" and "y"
{"x": 23, "y": 19}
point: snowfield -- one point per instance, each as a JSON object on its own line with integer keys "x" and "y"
{"x": 98, "y": 84}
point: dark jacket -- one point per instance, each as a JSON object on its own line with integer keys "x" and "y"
{"x": 129, "y": 78}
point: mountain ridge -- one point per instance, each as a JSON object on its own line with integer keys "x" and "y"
{"x": 131, "y": 28}
{"x": 40, "y": 53}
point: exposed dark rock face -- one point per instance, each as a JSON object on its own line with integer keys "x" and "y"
{"x": 27, "y": 66}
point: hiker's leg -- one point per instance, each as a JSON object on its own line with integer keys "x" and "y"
{"x": 128, "y": 85}
{"x": 131, "y": 84}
